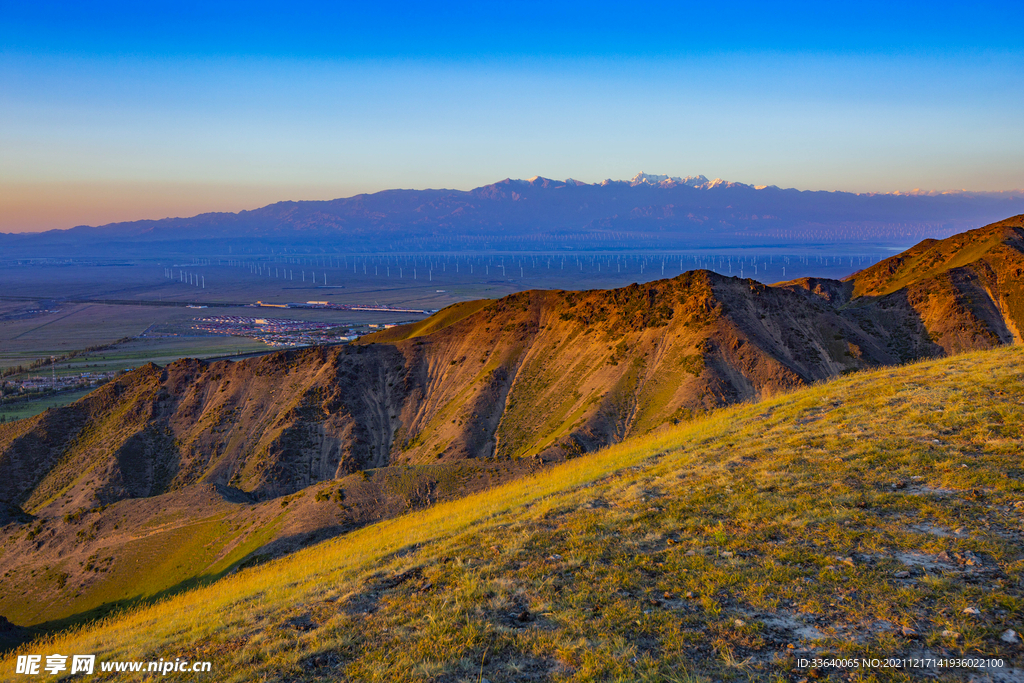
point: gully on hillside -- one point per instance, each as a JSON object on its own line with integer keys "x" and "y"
{"x": 476, "y": 395}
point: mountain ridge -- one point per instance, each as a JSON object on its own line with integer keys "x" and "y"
{"x": 480, "y": 392}
{"x": 810, "y": 525}
{"x": 603, "y": 358}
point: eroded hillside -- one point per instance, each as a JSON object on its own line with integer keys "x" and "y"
{"x": 876, "y": 516}
{"x": 476, "y": 395}
{"x": 542, "y": 373}
{"x": 967, "y": 290}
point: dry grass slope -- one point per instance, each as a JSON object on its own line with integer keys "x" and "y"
{"x": 442, "y": 319}
{"x": 859, "y": 517}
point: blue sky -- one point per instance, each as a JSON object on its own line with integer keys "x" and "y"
{"x": 116, "y": 111}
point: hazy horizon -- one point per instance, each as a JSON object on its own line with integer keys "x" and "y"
{"x": 110, "y": 204}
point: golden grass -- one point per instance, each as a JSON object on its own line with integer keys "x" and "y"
{"x": 446, "y": 317}
{"x": 697, "y": 552}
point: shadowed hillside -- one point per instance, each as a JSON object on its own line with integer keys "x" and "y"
{"x": 968, "y": 290}
{"x": 874, "y": 516}
{"x": 478, "y": 394}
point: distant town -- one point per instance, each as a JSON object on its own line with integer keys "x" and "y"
{"x": 282, "y": 331}
{"x": 17, "y": 391}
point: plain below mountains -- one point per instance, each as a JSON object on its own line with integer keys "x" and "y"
{"x": 173, "y": 475}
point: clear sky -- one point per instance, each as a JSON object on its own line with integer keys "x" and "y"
{"x": 119, "y": 111}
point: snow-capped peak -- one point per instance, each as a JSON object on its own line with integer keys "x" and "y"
{"x": 642, "y": 178}
{"x": 698, "y": 182}
{"x": 695, "y": 181}
{"x": 651, "y": 179}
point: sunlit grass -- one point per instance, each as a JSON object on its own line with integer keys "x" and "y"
{"x": 700, "y": 553}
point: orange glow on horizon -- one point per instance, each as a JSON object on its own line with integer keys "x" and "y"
{"x": 39, "y": 206}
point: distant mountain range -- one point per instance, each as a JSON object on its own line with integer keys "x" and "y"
{"x": 649, "y": 211}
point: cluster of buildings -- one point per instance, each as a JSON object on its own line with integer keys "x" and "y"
{"x": 45, "y": 381}
{"x": 275, "y": 331}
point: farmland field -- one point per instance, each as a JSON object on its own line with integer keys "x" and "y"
{"x": 30, "y": 407}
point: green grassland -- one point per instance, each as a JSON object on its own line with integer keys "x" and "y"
{"x": 27, "y": 408}
{"x": 183, "y": 544}
{"x": 166, "y": 560}
{"x": 136, "y": 352}
{"x": 859, "y": 517}
{"x": 116, "y": 356}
